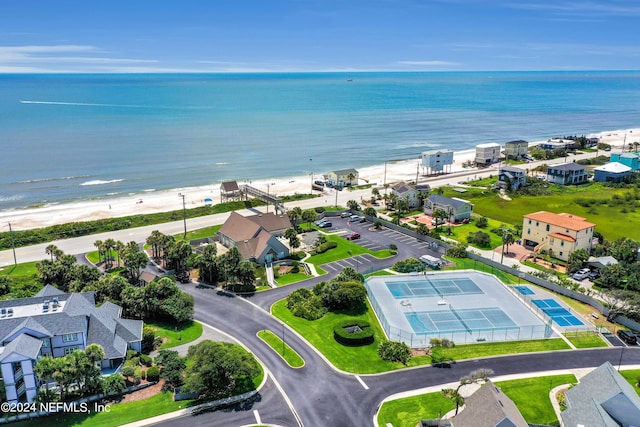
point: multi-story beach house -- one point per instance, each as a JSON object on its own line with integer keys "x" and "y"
{"x": 567, "y": 173}
{"x": 558, "y": 234}
{"x": 436, "y": 161}
{"x": 487, "y": 154}
{"x": 411, "y": 193}
{"x": 54, "y": 323}
{"x": 343, "y": 177}
{"x": 511, "y": 177}
{"x": 516, "y": 149}
{"x": 256, "y": 236}
{"x": 611, "y": 172}
{"x": 628, "y": 159}
{"x": 557, "y": 143}
{"x": 456, "y": 209}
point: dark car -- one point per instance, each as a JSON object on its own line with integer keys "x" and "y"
{"x": 352, "y": 236}
{"x": 320, "y": 183}
{"x": 627, "y": 336}
{"x": 325, "y": 224}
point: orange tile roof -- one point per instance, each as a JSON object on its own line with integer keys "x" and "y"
{"x": 565, "y": 220}
{"x": 562, "y": 237}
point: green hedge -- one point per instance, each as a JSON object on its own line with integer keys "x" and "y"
{"x": 325, "y": 247}
{"x": 363, "y": 337}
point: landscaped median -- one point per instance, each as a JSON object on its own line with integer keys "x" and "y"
{"x": 289, "y": 355}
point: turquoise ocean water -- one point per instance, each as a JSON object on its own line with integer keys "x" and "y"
{"x": 80, "y": 136}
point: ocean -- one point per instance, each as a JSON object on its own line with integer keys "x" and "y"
{"x": 68, "y": 137}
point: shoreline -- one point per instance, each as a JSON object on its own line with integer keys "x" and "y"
{"x": 171, "y": 199}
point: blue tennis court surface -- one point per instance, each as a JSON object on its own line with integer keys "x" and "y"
{"x": 432, "y": 288}
{"x": 559, "y": 314}
{"x": 463, "y": 320}
{"x": 524, "y": 290}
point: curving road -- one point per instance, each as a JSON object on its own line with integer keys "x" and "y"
{"x": 323, "y": 396}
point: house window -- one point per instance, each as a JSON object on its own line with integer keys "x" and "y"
{"x": 548, "y": 227}
{"x": 46, "y": 343}
{"x": 528, "y": 231}
{"x": 537, "y": 224}
{"x": 70, "y": 337}
{"x": 529, "y": 221}
{"x": 70, "y": 350}
{"x": 560, "y": 253}
{"x": 561, "y": 243}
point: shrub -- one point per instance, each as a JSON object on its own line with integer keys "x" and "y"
{"x": 408, "y": 265}
{"x": 128, "y": 370}
{"x": 394, "y": 351}
{"x": 393, "y": 247}
{"x": 146, "y": 360}
{"x": 458, "y": 251}
{"x": 353, "y": 332}
{"x": 148, "y": 340}
{"x": 131, "y": 353}
{"x": 304, "y": 303}
{"x": 153, "y": 373}
{"x": 480, "y": 239}
{"x": 297, "y": 255}
{"x": 319, "y": 209}
{"x": 341, "y": 295}
{"x": 482, "y": 222}
{"x": 325, "y": 247}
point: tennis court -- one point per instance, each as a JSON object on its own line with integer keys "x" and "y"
{"x": 432, "y": 287}
{"x": 462, "y": 306}
{"x": 559, "y": 314}
{"x": 524, "y": 290}
{"x": 466, "y": 320}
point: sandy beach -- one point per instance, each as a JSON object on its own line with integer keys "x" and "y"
{"x": 167, "y": 200}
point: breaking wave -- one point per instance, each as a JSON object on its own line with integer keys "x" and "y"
{"x": 101, "y": 182}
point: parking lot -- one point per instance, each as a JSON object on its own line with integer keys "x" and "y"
{"x": 375, "y": 240}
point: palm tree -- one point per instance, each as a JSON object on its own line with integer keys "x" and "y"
{"x": 309, "y": 216}
{"x": 294, "y": 214}
{"x": 119, "y": 247}
{"x": 507, "y": 239}
{"x": 370, "y": 212}
{"x": 109, "y": 245}
{"x": 51, "y": 250}
{"x": 351, "y": 177}
{"x": 439, "y": 214}
{"x": 99, "y": 244}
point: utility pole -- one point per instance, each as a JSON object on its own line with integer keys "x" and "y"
{"x": 13, "y": 246}
{"x": 184, "y": 214}
{"x": 384, "y": 184}
{"x": 417, "y": 171}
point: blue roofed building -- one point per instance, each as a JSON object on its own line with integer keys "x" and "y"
{"x": 611, "y": 172}
{"x": 628, "y": 159}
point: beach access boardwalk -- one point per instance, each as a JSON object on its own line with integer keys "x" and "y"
{"x": 248, "y": 190}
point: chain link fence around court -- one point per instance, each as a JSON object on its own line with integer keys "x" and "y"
{"x": 466, "y": 336}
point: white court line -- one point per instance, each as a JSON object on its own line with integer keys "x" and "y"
{"x": 257, "y": 415}
{"x": 366, "y": 387}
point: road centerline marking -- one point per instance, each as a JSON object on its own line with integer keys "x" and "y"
{"x": 257, "y": 415}
{"x": 366, "y": 387}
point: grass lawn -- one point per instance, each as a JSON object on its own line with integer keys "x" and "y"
{"x": 345, "y": 249}
{"x": 200, "y": 233}
{"x": 585, "y": 340}
{"x": 408, "y": 411}
{"x": 289, "y": 355}
{"x": 610, "y": 218}
{"x": 632, "y": 376}
{"x": 461, "y": 232}
{"x": 470, "y": 351}
{"x": 531, "y": 396}
{"x": 176, "y": 334}
{"x": 379, "y": 273}
{"x": 94, "y": 257}
{"x": 361, "y": 360}
{"x": 290, "y": 278}
{"x": 469, "y": 264}
{"x": 24, "y": 280}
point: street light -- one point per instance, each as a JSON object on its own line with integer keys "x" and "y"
{"x": 184, "y": 214}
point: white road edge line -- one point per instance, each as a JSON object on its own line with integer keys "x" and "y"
{"x": 366, "y": 387}
{"x": 257, "y": 415}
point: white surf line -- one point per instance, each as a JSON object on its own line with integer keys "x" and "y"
{"x": 366, "y": 387}
{"x": 257, "y": 415}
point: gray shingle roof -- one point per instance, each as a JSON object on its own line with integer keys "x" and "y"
{"x": 603, "y": 398}
{"x": 489, "y": 406}
{"x": 567, "y": 167}
{"x": 49, "y": 291}
{"x": 24, "y": 345}
{"x": 512, "y": 169}
{"x": 441, "y": 200}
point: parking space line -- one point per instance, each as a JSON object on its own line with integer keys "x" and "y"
{"x": 366, "y": 387}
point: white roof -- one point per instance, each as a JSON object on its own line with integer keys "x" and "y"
{"x": 488, "y": 145}
{"x": 614, "y": 167}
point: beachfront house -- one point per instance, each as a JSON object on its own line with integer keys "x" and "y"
{"x": 487, "y": 154}
{"x": 55, "y": 324}
{"x": 229, "y": 190}
{"x": 456, "y": 209}
{"x": 511, "y": 178}
{"x": 411, "y": 193}
{"x": 602, "y": 398}
{"x": 611, "y": 172}
{"x": 558, "y": 234}
{"x": 567, "y": 173}
{"x": 557, "y": 144}
{"x": 628, "y": 159}
{"x": 343, "y": 178}
{"x": 437, "y": 161}
{"x": 515, "y": 149}
{"x": 256, "y": 236}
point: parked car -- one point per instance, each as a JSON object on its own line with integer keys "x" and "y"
{"x": 594, "y": 275}
{"x": 345, "y": 214}
{"x": 581, "y": 274}
{"x": 438, "y": 221}
{"x": 352, "y": 236}
{"x": 355, "y": 218}
{"x": 320, "y": 183}
{"x": 320, "y": 221}
{"x": 326, "y": 224}
{"x": 627, "y": 336}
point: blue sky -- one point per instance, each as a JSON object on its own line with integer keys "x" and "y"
{"x": 317, "y": 35}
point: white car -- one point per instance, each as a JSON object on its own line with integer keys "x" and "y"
{"x": 581, "y": 274}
